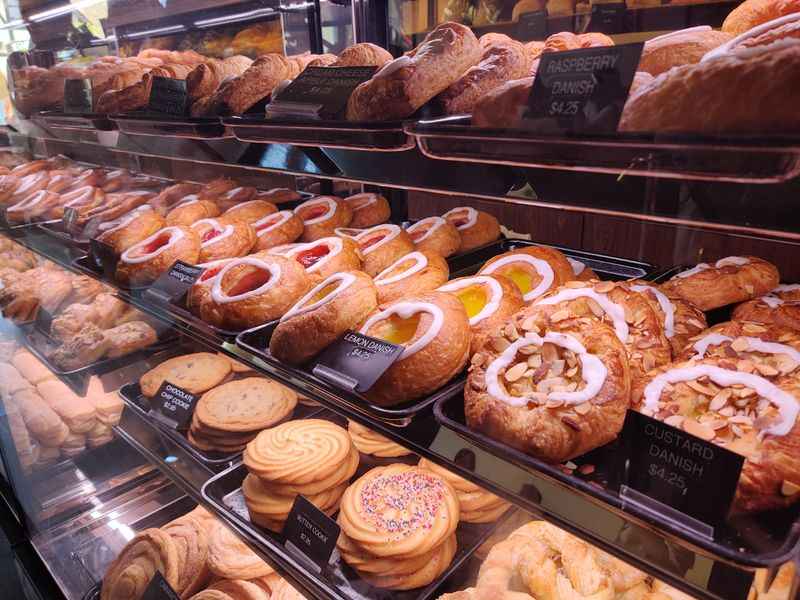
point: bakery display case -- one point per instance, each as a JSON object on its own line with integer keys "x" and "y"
{"x": 411, "y": 299}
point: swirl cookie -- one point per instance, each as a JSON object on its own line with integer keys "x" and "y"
{"x": 230, "y": 558}
{"x": 535, "y": 270}
{"x": 239, "y": 589}
{"x": 372, "y": 443}
{"x": 196, "y": 373}
{"x": 780, "y": 307}
{"x": 190, "y": 538}
{"x": 149, "y": 551}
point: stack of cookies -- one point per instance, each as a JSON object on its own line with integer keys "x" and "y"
{"x": 229, "y": 416}
{"x": 372, "y": 443}
{"x": 477, "y": 504}
{"x": 312, "y": 457}
{"x": 398, "y": 526}
{"x": 196, "y": 373}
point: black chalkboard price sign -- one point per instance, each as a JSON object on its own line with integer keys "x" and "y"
{"x": 172, "y": 285}
{"x": 582, "y": 91}
{"x": 159, "y": 589}
{"x": 532, "y": 26}
{"x": 608, "y": 17}
{"x": 173, "y": 406}
{"x": 310, "y": 532}
{"x": 168, "y": 96}
{"x": 77, "y": 96}
{"x": 356, "y": 361}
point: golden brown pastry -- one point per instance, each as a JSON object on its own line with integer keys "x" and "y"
{"x": 144, "y": 262}
{"x": 190, "y": 209}
{"x": 337, "y": 304}
{"x": 327, "y": 256}
{"x": 149, "y": 551}
{"x": 433, "y": 329}
{"x": 226, "y": 239}
{"x": 249, "y": 211}
{"x": 207, "y": 77}
{"x": 683, "y": 47}
{"x": 322, "y": 215}
{"x": 130, "y": 229}
{"x": 362, "y": 55}
{"x": 372, "y": 443}
{"x": 408, "y": 82}
{"x": 755, "y": 12}
{"x": 535, "y": 270}
{"x": 239, "y": 94}
{"x": 772, "y": 344}
{"x": 369, "y": 209}
{"x": 411, "y": 274}
{"x": 729, "y": 280}
{"x": 277, "y": 229}
{"x": 435, "y": 234}
{"x": 475, "y": 227}
{"x": 382, "y": 245}
{"x": 229, "y": 557}
{"x": 780, "y": 307}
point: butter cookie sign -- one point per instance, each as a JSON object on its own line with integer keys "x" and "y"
{"x": 582, "y": 91}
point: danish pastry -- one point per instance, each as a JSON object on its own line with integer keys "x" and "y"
{"x": 554, "y": 390}
{"x": 368, "y": 209}
{"x": 477, "y": 505}
{"x": 191, "y": 209}
{"x": 475, "y": 227}
{"x": 411, "y": 274}
{"x": 631, "y": 314}
{"x": 382, "y": 245}
{"x": 327, "y": 256}
{"x": 224, "y": 239}
{"x": 435, "y": 234}
{"x": 279, "y": 195}
{"x": 235, "y": 197}
{"x": 580, "y": 271}
{"x": 321, "y": 215}
{"x": 249, "y": 212}
{"x": 335, "y": 305}
{"x": 130, "y": 229}
{"x": 372, "y": 443}
{"x": 489, "y": 300}
{"x": 32, "y": 207}
{"x": 535, "y": 270}
{"x": 253, "y": 290}
{"x": 751, "y": 13}
{"x": 142, "y": 263}
{"x": 200, "y": 292}
{"x": 757, "y": 418}
{"x": 737, "y": 339}
{"x": 780, "y": 307}
{"x": 277, "y": 229}
{"x": 727, "y": 281}
{"x": 680, "y": 319}
{"x": 433, "y": 329}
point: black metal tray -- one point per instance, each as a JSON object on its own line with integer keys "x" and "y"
{"x": 55, "y": 230}
{"x": 75, "y": 122}
{"x": 223, "y": 491}
{"x": 256, "y": 341}
{"x": 86, "y": 265}
{"x": 199, "y": 128}
{"x": 735, "y": 158}
{"x": 754, "y": 541}
{"x": 385, "y": 136}
{"x": 131, "y": 393}
{"x": 607, "y": 267}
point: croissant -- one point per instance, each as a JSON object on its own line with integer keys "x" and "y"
{"x": 255, "y": 84}
{"x": 363, "y": 55}
{"x": 206, "y": 78}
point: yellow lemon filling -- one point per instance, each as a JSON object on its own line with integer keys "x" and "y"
{"x": 521, "y": 277}
{"x": 324, "y": 292}
{"x": 397, "y": 330}
{"x": 473, "y": 298}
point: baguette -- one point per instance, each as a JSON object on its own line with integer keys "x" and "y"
{"x": 678, "y": 48}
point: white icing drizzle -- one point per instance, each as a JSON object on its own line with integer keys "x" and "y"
{"x": 111, "y": 226}
{"x": 334, "y": 245}
{"x": 220, "y": 297}
{"x": 226, "y": 231}
{"x": 361, "y": 201}
{"x": 282, "y": 217}
{"x": 731, "y": 260}
{"x": 28, "y": 201}
{"x": 542, "y": 267}
{"x": 345, "y": 281}
{"x": 771, "y": 301}
{"x": 696, "y": 269}
{"x": 210, "y": 265}
{"x": 187, "y": 201}
{"x": 348, "y": 232}
{"x": 787, "y": 287}
{"x": 750, "y": 33}
{"x": 593, "y": 371}
{"x": 283, "y": 249}
{"x": 420, "y": 261}
{"x": 667, "y": 307}
{"x": 406, "y": 310}
{"x": 86, "y": 192}
{"x": 28, "y": 182}
{"x": 472, "y": 216}
{"x": 175, "y": 235}
{"x": 492, "y": 303}
{"x": 329, "y": 202}
{"x": 577, "y": 266}
{"x": 234, "y": 209}
{"x": 393, "y": 232}
{"x": 754, "y": 344}
{"x": 612, "y": 309}
{"x": 437, "y": 222}
{"x": 231, "y": 193}
{"x": 786, "y": 403}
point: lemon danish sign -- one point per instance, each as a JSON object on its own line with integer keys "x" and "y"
{"x": 355, "y": 361}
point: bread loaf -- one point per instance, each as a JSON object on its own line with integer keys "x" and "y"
{"x": 408, "y": 82}
{"x": 362, "y": 55}
{"x": 207, "y": 77}
{"x": 678, "y": 48}
{"x": 755, "y": 12}
{"x": 256, "y": 83}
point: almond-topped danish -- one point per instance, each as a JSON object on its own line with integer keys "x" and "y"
{"x": 778, "y": 348}
{"x": 142, "y": 263}
{"x": 631, "y": 314}
{"x": 413, "y": 273}
{"x": 253, "y": 290}
{"x": 322, "y": 215}
{"x": 130, "y": 229}
{"x": 580, "y": 271}
{"x": 249, "y": 212}
{"x": 192, "y": 208}
{"x": 781, "y": 307}
{"x": 554, "y": 390}
{"x": 227, "y": 239}
{"x": 739, "y": 405}
{"x": 435, "y": 234}
{"x": 679, "y": 318}
{"x": 433, "y": 329}
{"x": 327, "y": 256}
{"x": 476, "y": 228}
{"x": 727, "y": 281}
{"x": 534, "y": 269}
{"x": 382, "y": 245}
{"x": 369, "y": 209}
{"x": 336, "y": 304}
{"x": 490, "y": 301}
{"x": 277, "y": 229}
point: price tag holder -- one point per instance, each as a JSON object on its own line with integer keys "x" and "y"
{"x": 174, "y": 406}
{"x": 310, "y": 533}
{"x": 670, "y": 472}
{"x": 70, "y": 219}
{"x": 159, "y": 589}
{"x": 608, "y": 18}
{"x": 3, "y": 219}
{"x": 44, "y": 321}
{"x": 78, "y": 96}
{"x": 169, "y": 97}
{"x": 171, "y": 286}
{"x": 355, "y": 361}
{"x": 582, "y": 91}
{"x": 103, "y": 257}
{"x": 532, "y": 26}
{"x": 319, "y": 93}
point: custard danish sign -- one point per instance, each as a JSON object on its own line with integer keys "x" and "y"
{"x": 355, "y": 361}
{"x": 159, "y": 589}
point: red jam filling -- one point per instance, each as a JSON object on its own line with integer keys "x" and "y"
{"x": 268, "y": 223}
{"x": 211, "y": 234}
{"x": 209, "y": 273}
{"x": 417, "y": 234}
{"x": 161, "y": 241}
{"x": 372, "y": 241}
{"x": 249, "y": 282}
{"x": 459, "y": 221}
{"x": 310, "y": 257}
{"x": 315, "y": 211}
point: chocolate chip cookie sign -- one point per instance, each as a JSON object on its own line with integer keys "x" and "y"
{"x": 173, "y": 405}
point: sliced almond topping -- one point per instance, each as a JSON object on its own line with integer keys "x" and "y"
{"x": 737, "y": 431}
{"x": 789, "y": 488}
{"x": 554, "y": 403}
{"x": 534, "y": 361}
{"x": 604, "y": 287}
{"x": 718, "y": 424}
{"x": 557, "y": 368}
{"x": 700, "y": 388}
{"x": 674, "y": 420}
{"x": 549, "y": 352}
{"x": 528, "y": 350}
{"x": 740, "y": 344}
{"x": 478, "y": 359}
{"x": 500, "y": 343}
{"x": 728, "y": 411}
{"x": 583, "y": 408}
{"x": 629, "y": 317}
{"x": 741, "y": 420}
{"x": 511, "y": 332}
{"x": 766, "y": 370}
{"x": 516, "y": 371}
{"x": 560, "y": 315}
{"x": 572, "y": 372}
{"x": 745, "y": 366}
{"x": 750, "y": 327}
{"x": 720, "y": 400}
{"x": 596, "y": 309}
{"x": 696, "y": 323}
{"x": 529, "y": 324}
{"x": 704, "y": 432}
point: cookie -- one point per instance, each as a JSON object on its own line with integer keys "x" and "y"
{"x": 239, "y": 589}
{"x": 195, "y": 373}
{"x": 190, "y": 537}
{"x": 245, "y": 405}
{"x": 230, "y": 558}
{"x": 149, "y": 551}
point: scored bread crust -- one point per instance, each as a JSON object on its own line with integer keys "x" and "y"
{"x": 681, "y": 48}
{"x": 754, "y": 12}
